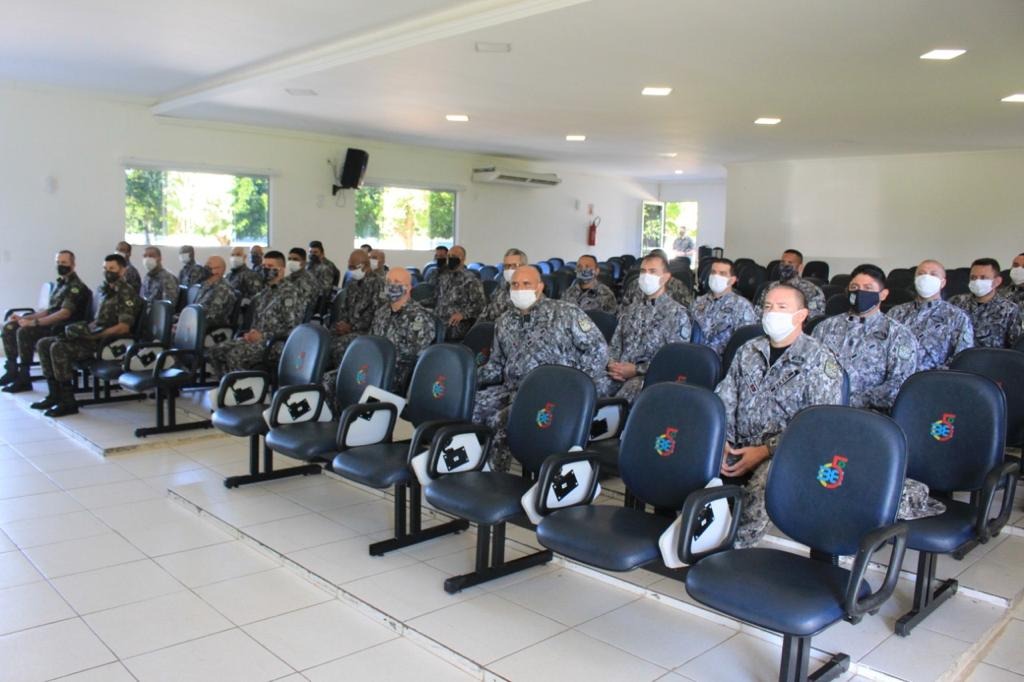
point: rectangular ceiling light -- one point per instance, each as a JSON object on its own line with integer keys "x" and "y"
{"x": 457, "y": 118}
{"x": 669, "y": 155}
{"x": 482, "y": 46}
{"x": 301, "y": 92}
{"x": 1018, "y": 98}
{"x": 943, "y": 55}
{"x": 767, "y": 121}
{"x": 656, "y": 91}
{"x": 575, "y": 138}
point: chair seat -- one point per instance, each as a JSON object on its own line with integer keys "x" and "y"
{"x": 108, "y": 370}
{"x": 612, "y": 538}
{"x": 607, "y": 452}
{"x": 772, "y": 589}
{"x": 241, "y": 420}
{"x": 141, "y": 382}
{"x": 306, "y": 440}
{"x": 482, "y": 497}
{"x": 942, "y": 534}
{"x": 380, "y": 465}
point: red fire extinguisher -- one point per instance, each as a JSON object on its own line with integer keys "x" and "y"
{"x": 592, "y": 231}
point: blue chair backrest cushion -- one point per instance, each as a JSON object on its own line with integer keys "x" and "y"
{"x": 1006, "y": 368}
{"x": 190, "y": 333}
{"x": 684, "y": 363}
{"x": 443, "y": 385}
{"x": 480, "y": 340}
{"x": 304, "y": 355}
{"x": 160, "y": 319}
{"x": 368, "y": 361}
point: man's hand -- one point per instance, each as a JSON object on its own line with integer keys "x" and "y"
{"x": 253, "y": 336}
{"x": 342, "y": 328}
{"x": 455, "y": 319}
{"x": 750, "y": 458}
{"x": 621, "y": 371}
{"x": 16, "y": 318}
{"x": 23, "y": 321}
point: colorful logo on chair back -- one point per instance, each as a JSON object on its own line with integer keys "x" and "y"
{"x": 300, "y": 359}
{"x": 665, "y": 444}
{"x": 831, "y": 475}
{"x": 681, "y": 379}
{"x": 546, "y": 416}
{"x": 943, "y": 430}
{"x": 438, "y": 389}
{"x": 361, "y": 375}
{"x": 483, "y": 356}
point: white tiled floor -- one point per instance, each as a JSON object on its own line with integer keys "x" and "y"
{"x": 103, "y": 576}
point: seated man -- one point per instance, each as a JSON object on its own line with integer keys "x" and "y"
{"x": 256, "y": 258}
{"x": 157, "y": 284}
{"x": 216, "y": 296}
{"x": 769, "y": 381}
{"x": 378, "y": 262}
{"x": 131, "y": 275}
{"x": 119, "y": 306}
{"x": 441, "y": 259}
{"x": 542, "y": 331}
{"x": 678, "y": 290}
{"x": 246, "y": 281}
{"x": 363, "y": 296}
{"x": 997, "y": 320}
{"x": 69, "y": 302}
{"x": 501, "y": 302}
{"x": 321, "y": 267}
{"x": 276, "y": 311}
{"x": 722, "y": 311}
{"x": 587, "y": 291}
{"x": 459, "y": 295}
{"x": 877, "y": 352}
{"x": 942, "y": 330}
{"x": 299, "y": 277}
{"x": 1015, "y": 290}
{"x": 191, "y": 272}
{"x": 791, "y": 264}
{"x": 643, "y": 329}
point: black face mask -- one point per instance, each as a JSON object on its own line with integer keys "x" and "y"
{"x": 110, "y": 277}
{"x": 787, "y": 272}
{"x": 453, "y": 262}
{"x": 269, "y": 274}
{"x": 256, "y": 259}
{"x": 442, "y": 262}
{"x": 63, "y": 270}
{"x": 314, "y": 259}
{"x": 863, "y": 301}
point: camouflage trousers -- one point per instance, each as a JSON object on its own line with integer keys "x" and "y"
{"x": 628, "y": 390}
{"x": 754, "y": 517}
{"x": 339, "y": 344}
{"x": 58, "y": 356}
{"x": 238, "y": 354}
{"x": 492, "y": 409}
{"x": 20, "y": 342}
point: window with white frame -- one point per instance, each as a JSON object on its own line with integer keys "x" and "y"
{"x": 404, "y": 218}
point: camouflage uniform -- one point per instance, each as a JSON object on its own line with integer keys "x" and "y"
{"x": 598, "y": 297}
{"x": 878, "y": 354}
{"x": 159, "y": 285}
{"x": 307, "y": 286}
{"x": 551, "y": 333}
{"x": 131, "y": 275}
{"x": 326, "y": 273}
{"x": 218, "y": 301}
{"x": 942, "y": 330}
{"x": 362, "y": 299}
{"x": 500, "y": 303}
{"x": 760, "y": 400}
{"x": 458, "y": 291}
{"x": 720, "y": 317}
{"x": 119, "y": 303}
{"x": 69, "y": 293}
{"x": 997, "y": 324}
{"x": 1013, "y": 293}
{"x": 815, "y": 297}
{"x": 246, "y": 282}
{"x": 675, "y": 288}
{"x": 191, "y": 273}
{"x": 643, "y": 329}
{"x": 277, "y": 310}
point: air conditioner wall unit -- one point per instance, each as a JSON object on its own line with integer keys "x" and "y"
{"x": 493, "y": 175}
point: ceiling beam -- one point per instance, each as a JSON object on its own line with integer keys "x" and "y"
{"x": 374, "y": 43}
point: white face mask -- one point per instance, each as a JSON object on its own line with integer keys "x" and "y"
{"x": 508, "y": 274}
{"x": 523, "y": 298}
{"x": 927, "y": 285}
{"x": 293, "y": 266}
{"x": 374, "y": 264}
{"x": 149, "y": 263}
{"x": 235, "y": 261}
{"x": 124, "y": 254}
{"x": 184, "y": 258}
{"x": 718, "y": 283}
{"x": 1017, "y": 275}
{"x": 980, "y": 287}
{"x": 649, "y": 283}
{"x": 778, "y": 325}
{"x": 357, "y": 274}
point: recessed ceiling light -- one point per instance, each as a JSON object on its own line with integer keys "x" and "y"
{"x": 767, "y": 121}
{"x": 482, "y": 46}
{"x": 943, "y": 55}
{"x": 301, "y": 92}
{"x": 679, "y": 172}
{"x": 656, "y": 91}
{"x": 457, "y": 118}
{"x": 668, "y": 155}
{"x": 575, "y": 138}
{"x": 1018, "y": 98}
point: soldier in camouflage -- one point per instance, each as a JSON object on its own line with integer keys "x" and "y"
{"x": 643, "y": 329}
{"x": 277, "y": 310}
{"x": 501, "y": 301}
{"x": 721, "y": 311}
{"x": 459, "y": 295}
{"x": 363, "y": 295}
{"x": 998, "y": 322}
{"x": 69, "y": 302}
{"x": 790, "y": 266}
{"x": 321, "y": 267}
{"x": 587, "y": 291}
{"x": 877, "y": 352}
{"x": 942, "y": 330}
{"x": 378, "y": 263}
{"x": 246, "y": 281}
{"x": 769, "y": 381}
{"x": 191, "y": 272}
{"x": 158, "y": 284}
{"x": 675, "y": 288}
{"x": 119, "y": 307}
{"x": 256, "y": 259}
{"x": 300, "y": 278}
{"x": 216, "y": 296}
{"x": 1014, "y": 290}
{"x": 131, "y": 275}
{"x": 541, "y": 331}
{"x": 440, "y": 260}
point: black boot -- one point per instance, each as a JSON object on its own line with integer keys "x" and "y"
{"x": 66, "y": 403}
{"x": 51, "y": 397}
{"x": 22, "y": 382}
{"x": 10, "y": 373}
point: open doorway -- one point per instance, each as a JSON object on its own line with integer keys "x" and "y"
{"x": 671, "y": 226}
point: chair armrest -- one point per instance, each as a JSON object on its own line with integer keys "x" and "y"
{"x": 18, "y": 311}
{"x": 365, "y": 410}
{"x": 114, "y": 347}
{"x": 1005, "y": 476}
{"x": 247, "y": 387}
{"x": 604, "y": 403}
{"x": 869, "y": 544}
{"x": 297, "y": 412}
{"x": 442, "y": 438}
{"x": 142, "y": 357}
{"x": 169, "y": 355}
{"x": 425, "y": 433}
{"x": 551, "y": 479}
{"x": 693, "y": 517}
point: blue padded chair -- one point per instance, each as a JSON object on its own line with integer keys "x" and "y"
{"x": 837, "y": 304}
{"x": 739, "y": 337}
{"x": 368, "y": 361}
{"x": 834, "y": 485}
{"x": 816, "y": 268}
{"x": 671, "y": 448}
{"x": 606, "y": 322}
{"x": 955, "y": 424}
{"x": 489, "y": 286}
{"x": 544, "y": 267}
{"x": 550, "y": 414}
{"x": 1006, "y": 368}
{"x": 489, "y": 273}
{"x": 556, "y": 263}
{"x": 441, "y": 393}
{"x": 241, "y": 400}
{"x": 480, "y": 340}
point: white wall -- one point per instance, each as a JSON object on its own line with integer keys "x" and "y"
{"x": 710, "y": 198}
{"x": 890, "y": 210}
{"x": 83, "y": 143}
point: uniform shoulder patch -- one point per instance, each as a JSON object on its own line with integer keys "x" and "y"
{"x": 832, "y": 368}
{"x": 585, "y": 323}
{"x": 904, "y": 351}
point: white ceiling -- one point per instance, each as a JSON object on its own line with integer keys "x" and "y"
{"x": 844, "y": 75}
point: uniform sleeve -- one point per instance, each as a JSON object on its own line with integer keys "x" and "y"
{"x": 169, "y": 288}
{"x": 592, "y": 351}
{"x": 494, "y": 370}
{"x": 728, "y": 391}
{"x": 748, "y": 315}
{"x": 1016, "y": 326}
{"x": 74, "y": 298}
{"x": 901, "y": 362}
{"x": 475, "y": 299}
{"x": 422, "y": 338}
{"x": 965, "y": 335}
{"x": 827, "y": 386}
{"x": 816, "y": 304}
{"x": 615, "y": 345}
{"x": 607, "y": 301}
{"x": 128, "y": 309}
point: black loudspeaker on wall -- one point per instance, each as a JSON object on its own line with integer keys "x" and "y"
{"x": 352, "y": 171}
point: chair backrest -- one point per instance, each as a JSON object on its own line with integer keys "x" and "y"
{"x": 488, "y": 273}
{"x": 837, "y": 304}
{"x": 672, "y": 443}
{"x": 830, "y": 290}
{"x": 738, "y": 338}
{"x": 182, "y": 299}
{"x": 443, "y": 385}
{"x": 479, "y": 340}
{"x": 157, "y": 322}
{"x": 489, "y": 286}
{"x": 551, "y": 413}
{"x": 749, "y": 278}
{"x": 368, "y": 361}
{"x": 1006, "y": 368}
{"x": 684, "y": 363}
{"x": 192, "y": 293}
{"x": 190, "y": 334}
{"x": 606, "y": 322}
{"x": 955, "y": 423}
{"x": 475, "y": 266}
{"x": 957, "y": 282}
{"x": 837, "y": 475}
{"x": 544, "y": 267}
{"x": 423, "y": 293}
{"x": 896, "y": 297}
{"x": 304, "y": 355}
{"x": 557, "y": 263}
{"x": 772, "y": 270}
{"x": 816, "y": 268}
{"x": 440, "y": 329}
{"x": 842, "y": 281}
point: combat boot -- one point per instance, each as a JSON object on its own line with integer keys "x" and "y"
{"x": 51, "y": 397}
{"x": 10, "y": 373}
{"x": 66, "y": 403}
{"x": 22, "y": 382}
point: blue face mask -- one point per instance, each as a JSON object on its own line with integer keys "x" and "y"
{"x": 394, "y": 292}
{"x": 863, "y": 301}
{"x": 787, "y": 272}
{"x": 585, "y": 274}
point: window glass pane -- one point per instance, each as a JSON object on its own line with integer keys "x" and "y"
{"x": 202, "y": 209}
{"x": 653, "y": 226}
{"x": 681, "y": 229}
{"x": 402, "y": 218}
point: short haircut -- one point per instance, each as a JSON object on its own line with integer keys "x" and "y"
{"x": 987, "y": 262}
{"x": 658, "y": 257}
{"x": 117, "y": 258}
{"x": 316, "y": 244}
{"x": 155, "y": 248}
{"x": 275, "y": 255}
{"x": 801, "y": 300}
{"x": 127, "y": 246}
{"x": 724, "y": 261}
{"x": 301, "y": 253}
{"x": 187, "y": 247}
{"x": 441, "y": 247}
{"x": 517, "y": 252}
{"x": 71, "y": 254}
{"x": 657, "y": 252}
{"x": 872, "y": 271}
{"x": 365, "y": 246}
{"x": 587, "y": 255}
{"x": 795, "y": 253}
